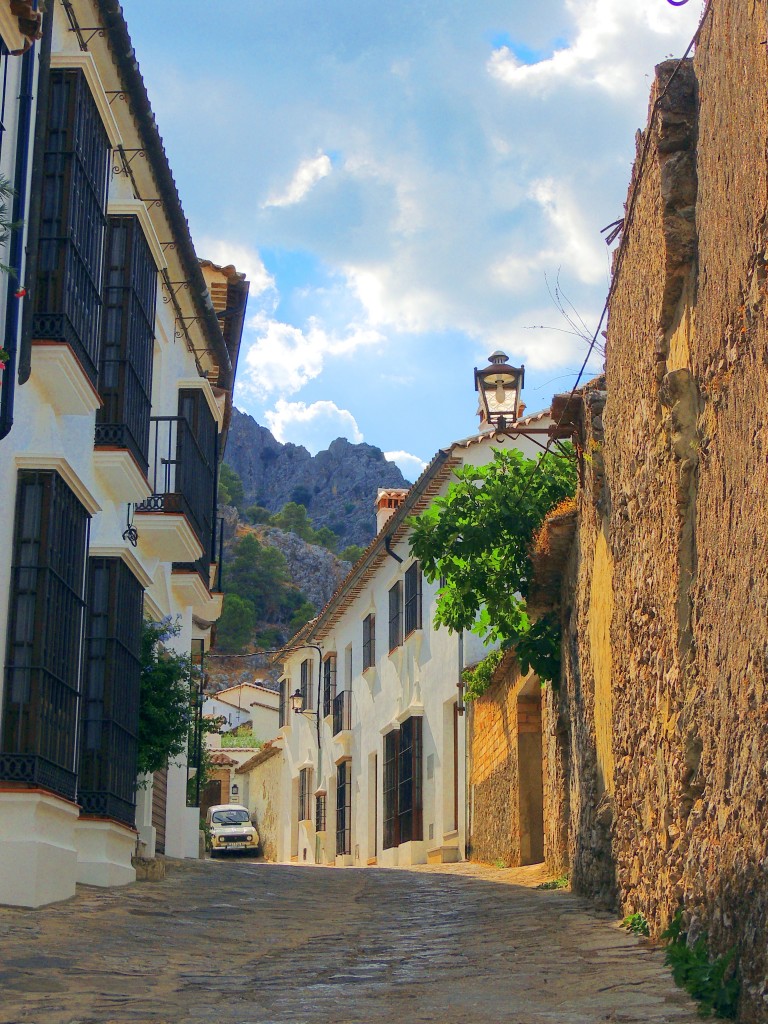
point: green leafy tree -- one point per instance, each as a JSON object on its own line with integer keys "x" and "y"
{"x": 258, "y": 574}
{"x": 294, "y": 518}
{"x": 351, "y": 553}
{"x": 301, "y": 615}
{"x": 258, "y": 514}
{"x": 234, "y": 629}
{"x": 165, "y": 710}
{"x": 230, "y": 487}
{"x": 325, "y": 538}
{"x": 477, "y": 538}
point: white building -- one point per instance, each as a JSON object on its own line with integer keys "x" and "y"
{"x": 373, "y": 770}
{"x": 113, "y": 410}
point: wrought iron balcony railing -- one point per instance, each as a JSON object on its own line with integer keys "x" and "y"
{"x": 183, "y": 479}
{"x": 342, "y": 712}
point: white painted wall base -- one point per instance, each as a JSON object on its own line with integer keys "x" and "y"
{"x": 147, "y": 831}
{"x": 104, "y": 851}
{"x": 192, "y": 833}
{"x": 38, "y": 856}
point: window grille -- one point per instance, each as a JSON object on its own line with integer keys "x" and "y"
{"x": 369, "y": 641}
{"x": 45, "y": 626}
{"x": 329, "y": 683}
{"x": 396, "y": 615}
{"x": 402, "y": 794}
{"x": 305, "y": 793}
{"x": 67, "y": 292}
{"x": 283, "y": 708}
{"x": 183, "y": 452}
{"x": 111, "y": 687}
{"x": 320, "y": 810}
{"x": 125, "y": 369}
{"x": 306, "y": 684}
{"x": 344, "y": 809}
{"x": 412, "y": 598}
{"x": 342, "y": 712}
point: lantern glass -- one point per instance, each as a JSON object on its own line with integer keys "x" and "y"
{"x": 499, "y": 385}
{"x": 297, "y": 701}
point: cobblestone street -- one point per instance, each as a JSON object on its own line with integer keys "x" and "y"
{"x": 252, "y": 943}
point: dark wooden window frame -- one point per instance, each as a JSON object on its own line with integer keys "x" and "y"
{"x": 320, "y": 812}
{"x": 395, "y": 616}
{"x": 329, "y": 684}
{"x": 67, "y": 290}
{"x": 306, "y": 787}
{"x": 369, "y": 641}
{"x": 413, "y": 598}
{"x": 127, "y": 343}
{"x": 45, "y": 629}
{"x": 305, "y": 684}
{"x": 403, "y": 786}
{"x": 344, "y": 808}
{"x": 111, "y": 689}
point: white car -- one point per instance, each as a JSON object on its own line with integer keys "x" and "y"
{"x": 231, "y": 829}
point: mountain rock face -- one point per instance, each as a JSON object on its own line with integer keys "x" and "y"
{"x": 338, "y": 486}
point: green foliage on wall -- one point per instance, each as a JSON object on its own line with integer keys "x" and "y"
{"x": 477, "y": 538}
{"x": 165, "y": 708}
{"x": 713, "y": 981}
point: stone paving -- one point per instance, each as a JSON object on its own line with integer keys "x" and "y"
{"x": 238, "y": 942}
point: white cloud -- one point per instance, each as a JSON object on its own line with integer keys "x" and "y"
{"x": 599, "y": 54}
{"x": 285, "y": 358}
{"x": 313, "y": 426}
{"x": 411, "y": 466}
{"x": 307, "y": 175}
{"x": 245, "y": 259}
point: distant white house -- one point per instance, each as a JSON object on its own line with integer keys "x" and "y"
{"x": 373, "y": 769}
{"x": 243, "y": 704}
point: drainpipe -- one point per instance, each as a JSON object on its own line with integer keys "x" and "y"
{"x": 20, "y": 212}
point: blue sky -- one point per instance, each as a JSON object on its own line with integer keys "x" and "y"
{"x": 400, "y": 181}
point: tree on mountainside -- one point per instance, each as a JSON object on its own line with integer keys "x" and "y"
{"x": 230, "y": 487}
{"x": 259, "y": 574}
{"x": 234, "y": 630}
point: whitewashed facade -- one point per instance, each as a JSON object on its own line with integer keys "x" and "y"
{"x": 377, "y": 775}
{"x": 113, "y": 406}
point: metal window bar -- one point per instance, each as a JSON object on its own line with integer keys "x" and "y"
{"x": 396, "y": 615}
{"x": 343, "y": 809}
{"x": 369, "y": 641}
{"x": 342, "y": 712}
{"x": 320, "y": 813}
{"x": 283, "y": 707}
{"x": 305, "y": 687}
{"x": 111, "y": 687}
{"x": 329, "y": 684}
{"x": 412, "y": 598}
{"x": 409, "y": 786}
{"x": 390, "y": 819}
{"x": 125, "y": 369}
{"x": 305, "y": 793}
{"x": 67, "y": 291}
{"x": 45, "y": 627}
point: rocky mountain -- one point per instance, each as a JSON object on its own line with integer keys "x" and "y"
{"x": 338, "y": 486}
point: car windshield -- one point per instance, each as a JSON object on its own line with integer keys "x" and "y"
{"x": 230, "y": 817}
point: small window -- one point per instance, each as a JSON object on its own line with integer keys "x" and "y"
{"x": 306, "y": 684}
{"x": 329, "y": 683}
{"x": 320, "y": 812}
{"x": 412, "y": 598}
{"x": 305, "y": 794}
{"x": 396, "y": 615}
{"x": 369, "y": 641}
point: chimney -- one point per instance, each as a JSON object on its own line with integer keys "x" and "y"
{"x": 388, "y": 501}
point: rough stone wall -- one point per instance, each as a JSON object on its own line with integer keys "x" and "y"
{"x": 494, "y": 773}
{"x": 501, "y": 723}
{"x": 682, "y": 508}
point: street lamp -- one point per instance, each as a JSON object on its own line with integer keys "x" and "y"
{"x": 499, "y": 386}
{"x": 297, "y": 704}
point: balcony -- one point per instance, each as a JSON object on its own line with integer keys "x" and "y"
{"x": 342, "y": 719}
{"x": 175, "y": 521}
